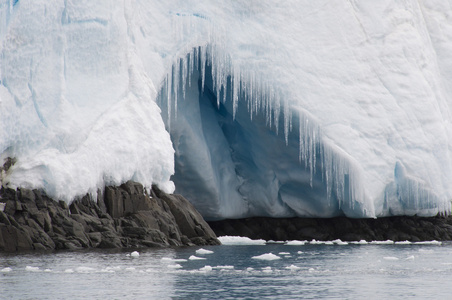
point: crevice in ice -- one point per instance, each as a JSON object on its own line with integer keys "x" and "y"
{"x": 242, "y": 151}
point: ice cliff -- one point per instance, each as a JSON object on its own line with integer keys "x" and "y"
{"x": 258, "y": 108}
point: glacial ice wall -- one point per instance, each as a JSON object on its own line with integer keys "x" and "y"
{"x": 276, "y": 108}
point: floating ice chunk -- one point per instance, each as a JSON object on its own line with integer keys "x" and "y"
{"x": 293, "y": 268}
{"x": 311, "y": 270}
{"x": 267, "y": 270}
{"x": 284, "y": 253}
{"x": 249, "y": 269}
{"x": 69, "y": 271}
{"x": 173, "y": 259}
{"x": 206, "y": 269}
{"x": 300, "y": 252}
{"x": 296, "y": 243}
{"x": 387, "y": 242}
{"x": 411, "y": 257}
{"x": 31, "y": 269}
{"x": 329, "y": 243}
{"x": 174, "y": 266}
{"x": 390, "y": 258}
{"x": 6, "y": 270}
{"x": 361, "y": 242}
{"x": 203, "y": 251}
{"x": 267, "y": 256}
{"x": 434, "y": 242}
{"x": 47, "y": 270}
{"x": 340, "y": 242}
{"x": 192, "y": 257}
{"x": 240, "y": 240}
{"x": 315, "y": 242}
{"x": 403, "y": 243}
{"x": 135, "y": 254}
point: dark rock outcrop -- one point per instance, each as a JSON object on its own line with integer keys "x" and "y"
{"x": 122, "y": 217}
{"x": 400, "y": 228}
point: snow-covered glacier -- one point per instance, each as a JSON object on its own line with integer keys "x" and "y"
{"x": 247, "y": 108}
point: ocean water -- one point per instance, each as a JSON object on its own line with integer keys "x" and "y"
{"x": 241, "y": 270}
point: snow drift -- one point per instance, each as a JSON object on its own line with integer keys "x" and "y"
{"x": 286, "y": 108}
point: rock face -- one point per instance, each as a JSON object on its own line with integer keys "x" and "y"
{"x": 122, "y": 217}
{"x": 391, "y": 228}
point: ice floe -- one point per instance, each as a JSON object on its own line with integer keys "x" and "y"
{"x": 206, "y": 269}
{"x": 292, "y": 268}
{"x": 267, "y": 256}
{"x": 240, "y": 240}
{"x": 193, "y": 257}
{"x": 296, "y": 243}
{"x": 203, "y": 251}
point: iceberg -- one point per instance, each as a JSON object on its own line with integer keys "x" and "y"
{"x": 276, "y": 108}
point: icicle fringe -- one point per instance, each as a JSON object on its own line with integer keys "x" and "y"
{"x": 339, "y": 173}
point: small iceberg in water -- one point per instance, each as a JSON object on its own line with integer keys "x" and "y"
{"x": 206, "y": 269}
{"x": 203, "y": 251}
{"x": 296, "y": 243}
{"x": 192, "y": 257}
{"x": 267, "y": 256}
{"x": 240, "y": 240}
{"x": 292, "y": 268}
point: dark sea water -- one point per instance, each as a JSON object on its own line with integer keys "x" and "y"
{"x": 310, "y": 271}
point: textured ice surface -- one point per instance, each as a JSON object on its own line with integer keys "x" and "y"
{"x": 275, "y": 108}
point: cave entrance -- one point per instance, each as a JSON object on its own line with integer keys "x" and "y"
{"x": 242, "y": 165}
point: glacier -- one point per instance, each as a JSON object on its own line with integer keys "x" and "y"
{"x": 269, "y": 108}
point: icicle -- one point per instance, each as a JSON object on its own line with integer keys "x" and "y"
{"x": 286, "y": 121}
{"x": 168, "y": 99}
{"x": 225, "y": 91}
{"x": 202, "y": 53}
{"x": 191, "y": 62}
{"x": 235, "y": 91}
{"x": 176, "y": 74}
{"x": 300, "y": 137}
{"x": 184, "y": 75}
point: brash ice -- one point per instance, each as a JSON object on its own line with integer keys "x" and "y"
{"x": 276, "y": 108}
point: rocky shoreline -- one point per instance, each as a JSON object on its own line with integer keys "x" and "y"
{"x": 401, "y": 228}
{"x": 122, "y": 217}
{"x": 128, "y": 217}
